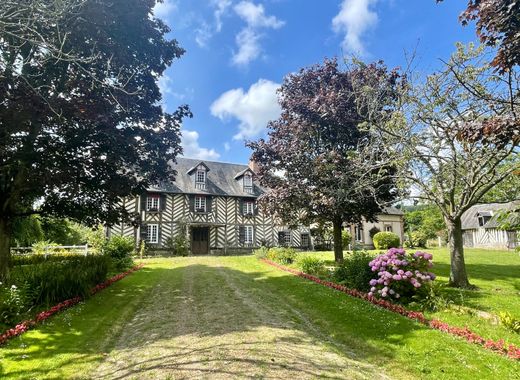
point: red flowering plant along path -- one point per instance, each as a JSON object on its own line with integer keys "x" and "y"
{"x": 24, "y": 326}
{"x": 499, "y": 346}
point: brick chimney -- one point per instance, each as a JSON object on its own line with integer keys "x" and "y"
{"x": 253, "y": 165}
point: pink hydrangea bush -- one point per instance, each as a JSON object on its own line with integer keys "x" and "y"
{"x": 400, "y": 275}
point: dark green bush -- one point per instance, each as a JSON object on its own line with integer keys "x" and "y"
{"x": 311, "y": 265}
{"x": 29, "y": 259}
{"x": 355, "y": 272}
{"x": 178, "y": 245}
{"x": 282, "y": 255}
{"x": 261, "y": 252}
{"x": 14, "y": 302}
{"x": 54, "y": 281}
{"x": 119, "y": 249}
{"x": 386, "y": 240}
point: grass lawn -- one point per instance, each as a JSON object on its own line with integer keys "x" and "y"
{"x": 228, "y": 317}
{"x": 496, "y": 273}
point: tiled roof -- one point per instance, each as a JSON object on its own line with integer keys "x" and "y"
{"x": 470, "y": 217}
{"x": 220, "y": 179}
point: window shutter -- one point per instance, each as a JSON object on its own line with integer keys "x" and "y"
{"x": 143, "y": 201}
{"x": 241, "y": 207}
{"x": 241, "y": 234}
{"x": 209, "y": 204}
{"x": 144, "y": 232}
{"x": 162, "y": 202}
{"x": 191, "y": 199}
{"x": 281, "y": 238}
{"x": 255, "y": 208}
{"x": 158, "y": 234}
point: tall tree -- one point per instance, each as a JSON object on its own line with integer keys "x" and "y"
{"x": 498, "y": 25}
{"x": 320, "y": 162}
{"x": 459, "y": 141}
{"x": 81, "y": 123}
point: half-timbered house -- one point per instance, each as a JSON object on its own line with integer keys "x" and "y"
{"x": 214, "y": 204}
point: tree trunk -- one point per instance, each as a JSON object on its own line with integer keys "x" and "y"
{"x": 5, "y": 251}
{"x": 458, "y": 276}
{"x": 337, "y": 225}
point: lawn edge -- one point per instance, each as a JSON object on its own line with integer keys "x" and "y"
{"x": 509, "y": 350}
{"x": 26, "y": 325}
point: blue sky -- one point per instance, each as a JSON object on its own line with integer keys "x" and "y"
{"x": 238, "y": 52}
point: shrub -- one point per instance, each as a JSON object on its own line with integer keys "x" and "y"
{"x": 119, "y": 249}
{"x": 261, "y": 252}
{"x": 355, "y": 272}
{"x": 346, "y": 238}
{"x": 386, "y": 240}
{"x": 13, "y": 304}
{"x": 509, "y": 322}
{"x": 54, "y": 281}
{"x": 282, "y": 255}
{"x": 400, "y": 275}
{"x": 311, "y": 265}
{"x": 418, "y": 239}
{"x": 178, "y": 245}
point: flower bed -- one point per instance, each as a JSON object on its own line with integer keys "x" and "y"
{"x": 500, "y": 346}
{"x": 22, "y": 327}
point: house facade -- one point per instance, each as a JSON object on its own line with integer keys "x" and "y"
{"x": 214, "y": 205}
{"x": 481, "y": 226}
{"x": 390, "y": 220}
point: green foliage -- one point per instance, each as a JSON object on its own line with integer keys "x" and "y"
{"x": 417, "y": 239}
{"x": 13, "y": 304}
{"x": 27, "y": 231}
{"x": 178, "y": 245}
{"x": 261, "y": 252}
{"x": 53, "y": 281}
{"x": 427, "y": 219}
{"x": 509, "y": 322}
{"x": 431, "y": 297}
{"x": 346, "y": 239}
{"x": 374, "y": 230}
{"x": 282, "y": 255}
{"x": 355, "y": 272}
{"x": 311, "y": 265}
{"x": 119, "y": 249}
{"x": 95, "y": 238}
{"x": 62, "y": 231}
{"x": 386, "y": 240}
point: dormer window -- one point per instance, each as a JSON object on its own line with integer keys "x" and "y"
{"x": 483, "y": 218}
{"x": 152, "y": 203}
{"x": 200, "y": 179}
{"x": 248, "y": 183}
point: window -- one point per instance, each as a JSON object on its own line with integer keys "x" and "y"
{"x": 284, "y": 238}
{"x": 306, "y": 241}
{"x": 388, "y": 228}
{"x": 248, "y": 183}
{"x": 248, "y": 208}
{"x": 152, "y": 203}
{"x": 200, "y": 204}
{"x": 152, "y": 233}
{"x": 358, "y": 231}
{"x": 484, "y": 217}
{"x": 248, "y": 238}
{"x": 200, "y": 179}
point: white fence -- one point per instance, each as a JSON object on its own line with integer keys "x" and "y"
{"x": 52, "y": 249}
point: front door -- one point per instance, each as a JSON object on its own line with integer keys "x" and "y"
{"x": 199, "y": 240}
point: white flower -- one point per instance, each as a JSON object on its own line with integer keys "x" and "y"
{"x": 13, "y": 287}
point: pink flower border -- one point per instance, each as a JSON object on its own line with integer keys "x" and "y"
{"x": 499, "y": 346}
{"x": 24, "y": 326}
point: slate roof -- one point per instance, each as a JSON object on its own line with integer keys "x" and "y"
{"x": 220, "y": 179}
{"x": 470, "y": 217}
{"x": 391, "y": 210}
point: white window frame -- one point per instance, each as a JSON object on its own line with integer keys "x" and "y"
{"x": 249, "y": 237}
{"x": 201, "y": 201}
{"x": 200, "y": 176}
{"x": 359, "y": 233}
{"x": 153, "y": 202}
{"x": 249, "y": 208}
{"x": 152, "y": 233}
{"x": 248, "y": 183}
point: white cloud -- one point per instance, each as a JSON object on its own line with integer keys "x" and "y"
{"x": 203, "y": 34}
{"x": 248, "y": 39}
{"x": 164, "y": 9}
{"x": 192, "y": 149}
{"x": 221, "y": 8}
{"x": 255, "y": 17}
{"x": 253, "y": 108}
{"x": 227, "y": 146}
{"x": 354, "y": 18}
